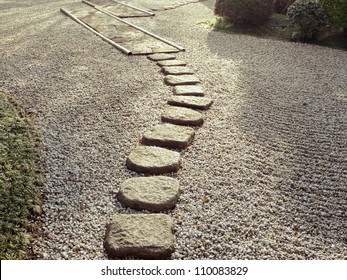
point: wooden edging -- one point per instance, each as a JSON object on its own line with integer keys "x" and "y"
{"x": 135, "y": 8}
{"x": 132, "y": 25}
{"x": 117, "y": 46}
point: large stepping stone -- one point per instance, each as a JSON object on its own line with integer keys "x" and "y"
{"x": 155, "y": 194}
{"x": 177, "y": 70}
{"x": 188, "y": 90}
{"x": 169, "y": 135}
{"x": 161, "y": 56}
{"x": 174, "y": 80}
{"x": 182, "y": 116}
{"x": 154, "y": 160}
{"x": 191, "y": 102}
{"x": 140, "y": 236}
{"x": 172, "y": 62}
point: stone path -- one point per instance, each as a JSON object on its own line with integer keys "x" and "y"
{"x": 177, "y": 70}
{"x": 182, "y": 116}
{"x": 139, "y": 235}
{"x": 171, "y": 63}
{"x": 161, "y": 57}
{"x": 193, "y": 102}
{"x": 188, "y": 90}
{"x": 158, "y": 193}
{"x": 181, "y": 80}
{"x": 169, "y": 135}
{"x": 153, "y": 160}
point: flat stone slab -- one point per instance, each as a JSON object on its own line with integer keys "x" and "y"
{"x": 177, "y": 70}
{"x": 182, "y": 116}
{"x": 191, "y": 102}
{"x": 174, "y": 80}
{"x": 169, "y": 135}
{"x": 188, "y": 90}
{"x": 160, "y": 56}
{"x": 158, "y": 193}
{"x": 140, "y": 236}
{"x": 154, "y": 160}
{"x": 172, "y": 62}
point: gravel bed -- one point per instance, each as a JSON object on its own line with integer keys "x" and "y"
{"x": 266, "y": 175}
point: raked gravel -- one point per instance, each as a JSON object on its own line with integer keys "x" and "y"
{"x": 266, "y": 175}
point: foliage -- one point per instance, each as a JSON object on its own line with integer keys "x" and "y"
{"x": 244, "y": 12}
{"x": 278, "y": 28}
{"x": 219, "y": 23}
{"x": 18, "y": 178}
{"x": 308, "y": 18}
{"x": 281, "y": 6}
{"x": 337, "y": 12}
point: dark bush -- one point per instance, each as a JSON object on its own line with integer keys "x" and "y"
{"x": 245, "y": 12}
{"x": 281, "y": 6}
{"x": 337, "y": 12}
{"x": 308, "y": 18}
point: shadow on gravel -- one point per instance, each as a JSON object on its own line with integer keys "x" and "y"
{"x": 293, "y": 115}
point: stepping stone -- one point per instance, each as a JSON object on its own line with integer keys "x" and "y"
{"x": 154, "y": 160}
{"x": 177, "y": 70}
{"x": 140, "y": 236}
{"x": 188, "y": 90}
{"x": 155, "y": 194}
{"x": 172, "y": 62}
{"x": 169, "y": 135}
{"x": 173, "y": 80}
{"x": 193, "y": 102}
{"x": 182, "y": 116}
{"x": 160, "y": 56}
{"x": 165, "y": 50}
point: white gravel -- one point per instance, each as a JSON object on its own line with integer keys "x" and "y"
{"x": 266, "y": 175}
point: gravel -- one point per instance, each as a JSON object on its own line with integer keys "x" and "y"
{"x": 266, "y": 175}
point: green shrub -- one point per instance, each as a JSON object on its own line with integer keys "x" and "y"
{"x": 337, "y": 12}
{"x": 308, "y": 18}
{"x": 281, "y": 6}
{"x": 244, "y": 12}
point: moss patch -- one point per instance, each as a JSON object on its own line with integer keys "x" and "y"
{"x": 19, "y": 178}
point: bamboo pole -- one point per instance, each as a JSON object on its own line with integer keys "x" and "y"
{"x": 117, "y": 46}
{"x": 135, "y": 8}
{"x": 132, "y": 25}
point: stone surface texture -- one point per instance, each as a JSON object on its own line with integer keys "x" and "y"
{"x": 161, "y": 56}
{"x": 173, "y": 80}
{"x": 177, "y": 70}
{"x": 169, "y": 135}
{"x": 182, "y": 116}
{"x": 154, "y": 160}
{"x": 173, "y": 62}
{"x": 141, "y": 236}
{"x": 188, "y": 90}
{"x": 157, "y": 193}
{"x": 193, "y": 102}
